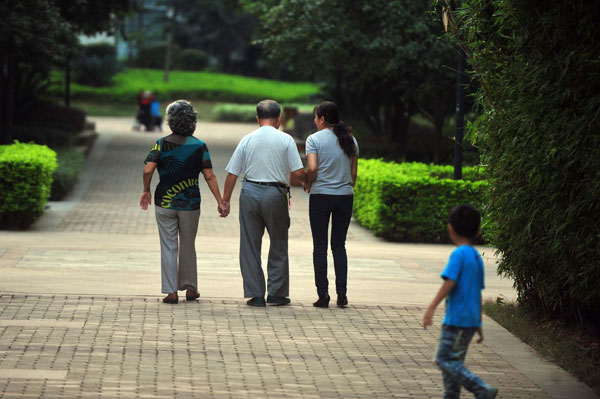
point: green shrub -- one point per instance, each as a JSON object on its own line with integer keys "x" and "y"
{"x": 64, "y": 178}
{"x": 539, "y": 137}
{"x": 96, "y": 65}
{"x": 191, "y": 60}
{"x": 188, "y": 84}
{"x": 153, "y": 56}
{"x": 227, "y": 112}
{"x": 26, "y": 171}
{"x": 234, "y": 112}
{"x": 408, "y": 202}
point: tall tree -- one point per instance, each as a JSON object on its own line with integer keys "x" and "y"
{"x": 36, "y": 35}
{"x": 372, "y": 55}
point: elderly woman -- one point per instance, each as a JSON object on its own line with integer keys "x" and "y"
{"x": 180, "y": 158}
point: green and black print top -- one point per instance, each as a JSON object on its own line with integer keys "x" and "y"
{"x": 179, "y": 166}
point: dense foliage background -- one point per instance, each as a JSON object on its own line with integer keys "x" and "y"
{"x": 539, "y": 66}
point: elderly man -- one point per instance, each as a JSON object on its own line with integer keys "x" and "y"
{"x": 265, "y": 158}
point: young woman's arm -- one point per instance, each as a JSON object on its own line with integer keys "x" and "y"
{"x": 354, "y": 169}
{"x": 311, "y": 173}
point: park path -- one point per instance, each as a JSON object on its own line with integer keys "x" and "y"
{"x": 80, "y": 311}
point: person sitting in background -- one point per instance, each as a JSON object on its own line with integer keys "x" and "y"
{"x": 155, "y": 113}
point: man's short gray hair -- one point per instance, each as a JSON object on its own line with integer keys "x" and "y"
{"x": 268, "y": 109}
{"x": 182, "y": 117}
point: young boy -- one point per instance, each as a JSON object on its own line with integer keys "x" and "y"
{"x": 463, "y": 282}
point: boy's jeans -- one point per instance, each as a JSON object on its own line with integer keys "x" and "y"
{"x": 454, "y": 342}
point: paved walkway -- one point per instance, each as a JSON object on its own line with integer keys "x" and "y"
{"x": 80, "y": 311}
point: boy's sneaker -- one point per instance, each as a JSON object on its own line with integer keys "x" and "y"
{"x": 491, "y": 393}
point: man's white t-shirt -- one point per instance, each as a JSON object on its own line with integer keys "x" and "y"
{"x": 266, "y": 155}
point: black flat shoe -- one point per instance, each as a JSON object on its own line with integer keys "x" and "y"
{"x": 342, "y": 301}
{"x": 171, "y": 298}
{"x": 322, "y": 302}
{"x": 257, "y": 301}
{"x": 191, "y": 295}
{"x": 278, "y": 300}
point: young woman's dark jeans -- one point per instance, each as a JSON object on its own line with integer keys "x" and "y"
{"x": 321, "y": 208}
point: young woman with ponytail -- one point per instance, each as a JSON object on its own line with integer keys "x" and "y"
{"x": 332, "y": 154}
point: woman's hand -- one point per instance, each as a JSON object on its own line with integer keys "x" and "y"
{"x": 224, "y": 208}
{"x": 146, "y": 200}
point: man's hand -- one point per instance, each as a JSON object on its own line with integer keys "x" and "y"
{"x": 224, "y": 209}
{"x": 479, "y": 332}
{"x": 146, "y": 200}
{"x": 428, "y": 317}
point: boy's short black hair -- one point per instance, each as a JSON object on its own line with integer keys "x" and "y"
{"x": 465, "y": 220}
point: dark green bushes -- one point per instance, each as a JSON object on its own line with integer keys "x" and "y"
{"x": 64, "y": 178}
{"x": 96, "y": 65}
{"x": 25, "y": 181}
{"x": 191, "y": 60}
{"x": 408, "y": 202}
{"x": 50, "y": 124}
{"x": 539, "y": 64}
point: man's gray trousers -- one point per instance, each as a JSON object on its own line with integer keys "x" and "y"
{"x": 260, "y": 207}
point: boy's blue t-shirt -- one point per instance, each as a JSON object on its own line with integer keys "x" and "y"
{"x": 463, "y": 305}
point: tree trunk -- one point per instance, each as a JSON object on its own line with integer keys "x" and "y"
{"x": 400, "y": 120}
{"x": 437, "y": 129}
{"x": 8, "y": 101}
{"x": 169, "y": 49}
{"x": 68, "y": 84}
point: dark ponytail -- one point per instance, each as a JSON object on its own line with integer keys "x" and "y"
{"x": 330, "y": 112}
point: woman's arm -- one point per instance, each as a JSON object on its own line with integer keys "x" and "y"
{"x": 146, "y": 198}
{"x": 354, "y": 169}
{"x": 311, "y": 173}
{"x": 213, "y": 185}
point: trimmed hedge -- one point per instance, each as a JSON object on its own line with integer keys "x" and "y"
{"x": 410, "y": 202}
{"x": 228, "y": 112}
{"x": 64, "y": 178}
{"x": 25, "y": 181}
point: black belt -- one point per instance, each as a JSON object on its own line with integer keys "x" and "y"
{"x": 272, "y": 184}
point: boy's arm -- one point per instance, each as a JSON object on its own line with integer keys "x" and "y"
{"x": 442, "y": 293}
{"x": 480, "y": 329}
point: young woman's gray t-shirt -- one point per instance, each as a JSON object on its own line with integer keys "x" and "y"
{"x": 334, "y": 175}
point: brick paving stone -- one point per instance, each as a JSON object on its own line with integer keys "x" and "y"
{"x": 132, "y": 347}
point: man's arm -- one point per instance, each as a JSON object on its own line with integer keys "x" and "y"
{"x": 146, "y": 198}
{"x": 230, "y": 181}
{"x": 300, "y": 174}
{"x": 442, "y": 293}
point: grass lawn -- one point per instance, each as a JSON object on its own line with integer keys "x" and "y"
{"x": 208, "y": 86}
{"x": 575, "y": 350}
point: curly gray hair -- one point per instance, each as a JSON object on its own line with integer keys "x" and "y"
{"x": 182, "y": 117}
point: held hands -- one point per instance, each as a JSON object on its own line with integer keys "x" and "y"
{"x": 305, "y": 187}
{"x": 224, "y": 208}
{"x": 145, "y": 200}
